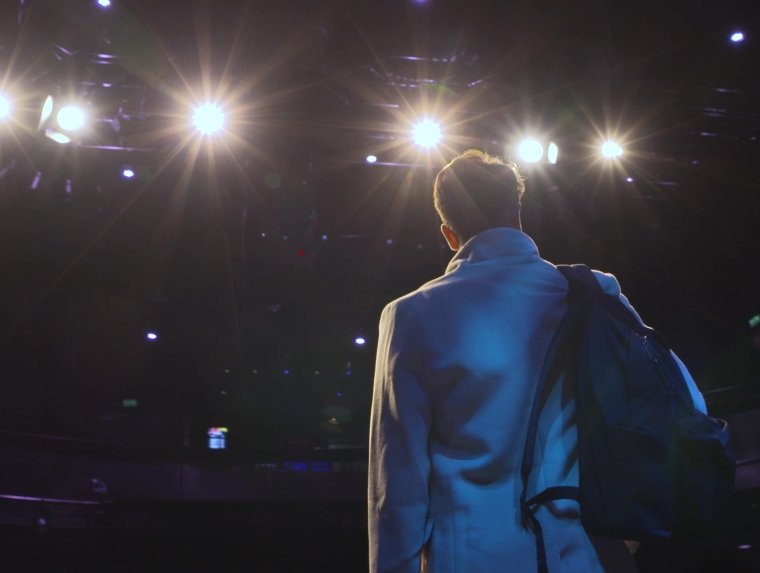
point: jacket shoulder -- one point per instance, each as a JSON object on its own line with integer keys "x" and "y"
{"x": 608, "y": 282}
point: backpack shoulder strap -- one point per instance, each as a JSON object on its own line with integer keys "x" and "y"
{"x": 580, "y": 276}
{"x": 553, "y": 359}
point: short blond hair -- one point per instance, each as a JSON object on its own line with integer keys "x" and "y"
{"x": 477, "y": 191}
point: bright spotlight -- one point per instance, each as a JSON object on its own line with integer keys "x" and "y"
{"x": 426, "y": 133}
{"x": 737, "y": 37}
{"x": 360, "y": 341}
{"x": 57, "y": 137}
{"x": 128, "y": 173}
{"x": 552, "y": 153}
{"x": 611, "y": 149}
{"x": 5, "y": 107}
{"x": 371, "y": 158}
{"x": 530, "y": 151}
{"x": 71, "y": 118}
{"x": 208, "y": 118}
{"x": 47, "y": 110}
{"x": 104, "y": 3}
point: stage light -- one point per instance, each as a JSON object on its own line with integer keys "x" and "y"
{"x": 47, "y": 110}
{"x": 104, "y": 3}
{"x": 128, "y": 173}
{"x": 217, "y": 437}
{"x": 530, "y": 150}
{"x": 426, "y": 133}
{"x": 71, "y": 118}
{"x": 737, "y": 37}
{"x": 371, "y": 158}
{"x": 5, "y": 107}
{"x": 552, "y": 153}
{"x": 57, "y": 137}
{"x": 611, "y": 149}
{"x": 208, "y": 118}
{"x": 629, "y": 179}
{"x": 152, "y": 336}
{"x": 360, "y": 341}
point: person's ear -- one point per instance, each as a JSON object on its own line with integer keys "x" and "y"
{"x": 451, "y": 237}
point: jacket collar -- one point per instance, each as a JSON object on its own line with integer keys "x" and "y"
{"x": 494, "y": 243}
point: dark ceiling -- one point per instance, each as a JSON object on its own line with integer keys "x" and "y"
{"x": 258, "y": 257}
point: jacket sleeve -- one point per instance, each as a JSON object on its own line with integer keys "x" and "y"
{"x": 399, "y": 464}
{"x": 610, "y": 285}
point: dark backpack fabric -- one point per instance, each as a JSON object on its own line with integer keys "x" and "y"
{"x": 650, "y": 464}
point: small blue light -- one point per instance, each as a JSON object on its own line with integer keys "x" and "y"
{"x": 104, "y": 3}
{"x": 296, "y": 466}
{"x": 286, "y": 372}
{"x": 360, "y": 340}
{"x": 128, "y": 173}
{"x": 737, "y": 37}
{"x": 151, "y": 336}
{"x": 320, "y": 466}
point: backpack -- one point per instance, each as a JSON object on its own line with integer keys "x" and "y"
{"x": 650, "y": 464}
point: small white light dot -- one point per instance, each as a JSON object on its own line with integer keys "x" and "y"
{"x": 128, "y": 173}
{"x": 737, "y": 37}
{"x": 371, "y": 158}
{"x": 151, "y": 336}
{"x": 360, "y": 340}
{"x": 629, "y": 179}
{"x": 104, "y": 3}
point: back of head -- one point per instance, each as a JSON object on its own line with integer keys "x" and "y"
{"x": 477, "y": 191}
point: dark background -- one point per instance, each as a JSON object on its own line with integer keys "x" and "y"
{"x": 260, "y": 255}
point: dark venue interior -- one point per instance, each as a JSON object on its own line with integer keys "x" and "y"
{"x": 188, "y": 320}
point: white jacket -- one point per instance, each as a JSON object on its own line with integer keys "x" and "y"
{"x": 457, "y": 364}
